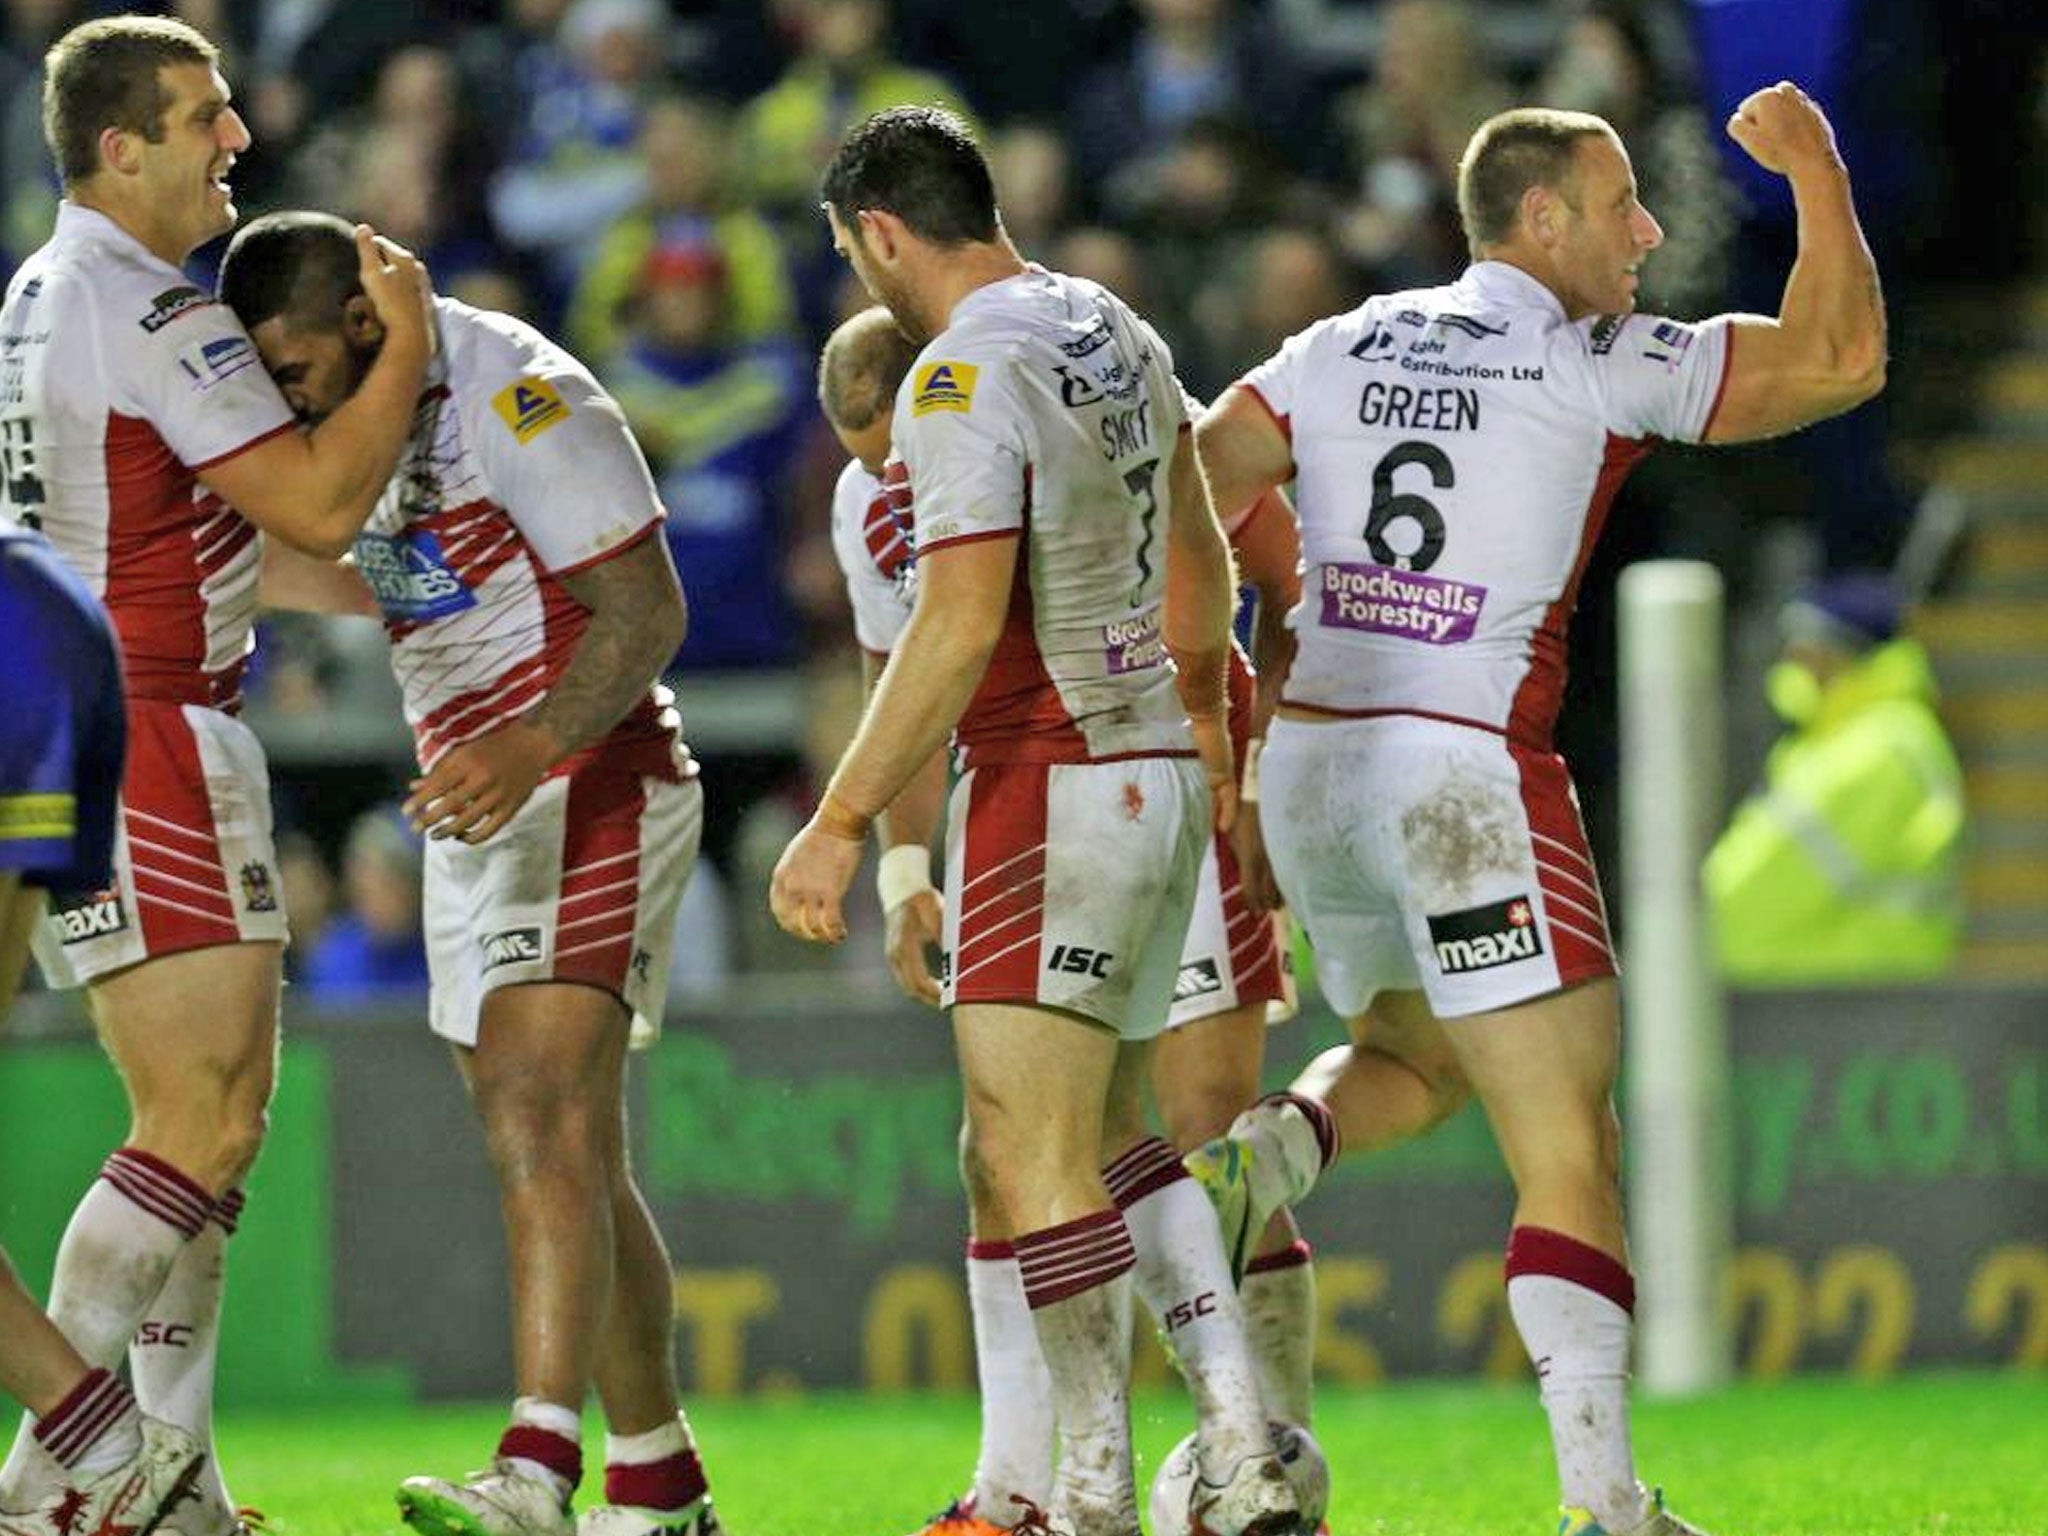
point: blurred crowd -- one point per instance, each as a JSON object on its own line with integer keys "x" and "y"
{"x": 640, "y": 179}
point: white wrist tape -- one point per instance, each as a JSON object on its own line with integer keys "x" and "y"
{"x": 905, "y": 871}
{"x": 1248, "y": 781}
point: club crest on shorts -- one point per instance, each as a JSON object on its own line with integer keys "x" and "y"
{"x": 259, "y": 890}
{"x": 1479, "y": 938}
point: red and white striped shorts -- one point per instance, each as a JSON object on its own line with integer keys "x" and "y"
{"x": 581, "y": 886}
{"x": 194, "y": 863}
{"x": 1421, "y": 853}
{"x": 1074, "y": 883}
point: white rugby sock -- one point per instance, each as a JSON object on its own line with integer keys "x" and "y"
{"x": 1184, "y": 1280}
{"x": 1571, "y": 1304}
{"x": 173, "y": 1356}
{"x": 1077, "y": 1278}
{"x": 1016, "y": 1388}
{"x": 1279, "y": 1299}
{"x": 120, "y": 1244}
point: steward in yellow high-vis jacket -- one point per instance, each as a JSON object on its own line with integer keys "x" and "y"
{"x": 1846, "y": 867}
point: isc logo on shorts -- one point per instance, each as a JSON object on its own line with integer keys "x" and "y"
{"x": 1073, "y": 960}
{"x": 511, "y": 947}
{"x": 1480, "y": 938}
{"x": 94, "y": 917}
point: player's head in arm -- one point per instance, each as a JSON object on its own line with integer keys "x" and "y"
{"x": 859, "y": 372}
{"x": 1553, "y": 193}
{"x": 913, "y": 208}
{"x": 292, "y": 279}
{"x": 138, "y": 119}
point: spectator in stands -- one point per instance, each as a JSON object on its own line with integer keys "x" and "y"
{"x": 1109, "y": 257}
{"x": 842, "y": 72}
{"x": 1844, "y": 867}
{"x": 1431, "y": 86}
{"x": 1034, "y": 184}
{"x": 1289, "y": 278}
{"x": 718, "y": 418}
{"x": 376, "y": 948}
{"x": 307, "y": 884}
{"x": 1608, "y": 63}
{"x": 1191, "y": 61}
{"x": 573, "y": 169}
{"x": 684, "y": 144}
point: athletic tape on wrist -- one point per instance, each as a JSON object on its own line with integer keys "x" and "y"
{"x": 1248, "y": 784}
{"x": 905, "y": 871}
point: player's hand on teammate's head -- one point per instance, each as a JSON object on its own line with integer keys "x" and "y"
{"x": 914, "y": 926}
{"x": 398, "y": 287}
{"x": 1780, "y": 127}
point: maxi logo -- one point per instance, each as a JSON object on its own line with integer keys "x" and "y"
{"x": 1479, "y": 938}
{"x": 94, "y": 917}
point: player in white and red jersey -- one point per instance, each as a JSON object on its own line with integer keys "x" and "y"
{"x": 518, "y": 560}
{"x": 1453, "y": 451}
{"x": 1205, "y": 1067}
{"x": 1064, "y": 548}
{"x": 129, "y": 406}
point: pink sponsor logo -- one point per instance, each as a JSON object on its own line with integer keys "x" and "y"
{"x": 1382, "y": 601}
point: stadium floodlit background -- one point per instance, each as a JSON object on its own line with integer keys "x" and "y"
{"x": 640, "y": 180}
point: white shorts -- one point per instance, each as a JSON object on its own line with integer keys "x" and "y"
{"x": 1418, "y": 853}
{"x": 581, "y": 886}
{"x": 1075, "y": 881}
{"x": 1231, "y": 956}
{"x": 194, "y": 863}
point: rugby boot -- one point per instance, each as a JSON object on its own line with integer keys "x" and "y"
{"x": 1659, "y": 1522}
{"x": 617, "y": 1520}
{"x": 1258, "y": 1500}
{"x": 959, "y": 1519}
{"x": 1247, "y": 1176}
{"x": 131, "y": 1499}
{"x": 207, "y": 1512}
{"x": 502, "y": 1501}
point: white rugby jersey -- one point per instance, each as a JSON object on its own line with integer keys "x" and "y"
{"x": 871, "y": 536}
{"x": 119, "y": 380}
{"x": 1455, "y": 451}
{"x": 519, "y": 470}
{"x": 1047, "y": 409}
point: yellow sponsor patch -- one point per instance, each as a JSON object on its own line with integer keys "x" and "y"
{"x": 943, "y": 387}
{"x": 529, "y": 406}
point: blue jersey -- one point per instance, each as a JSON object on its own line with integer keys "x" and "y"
{"x": 63, "y": 732}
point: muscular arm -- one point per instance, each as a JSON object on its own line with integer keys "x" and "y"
{"x": 1201, "y": 601}
{"x": 636, "y": 622}
{"x": 1268, "y": 548}
{"x": 913, "y": 816}
{"x": 291, "y": 579}
{"x": 1244, "y": 453}
{"x": 1825, "y": 351}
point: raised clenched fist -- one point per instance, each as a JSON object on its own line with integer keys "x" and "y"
{"x": 1781, "y": 128}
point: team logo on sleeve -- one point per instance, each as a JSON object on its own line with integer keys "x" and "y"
{"x": 1479, "y": 938}
{"x": 943, "y": 387}
{"x": 529, "y": 406}
{"x": 1668, "y": 343}
{"x": 170, "y": 304}
{"x": 208, "y": 363}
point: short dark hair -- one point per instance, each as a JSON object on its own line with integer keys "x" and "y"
{"x": 921, "y": 164}
{"x": 1509, "y": 154}
{"x": 861, "y": 369}
{"x": 104, "y": 74}
{"x": 300, "y": 265}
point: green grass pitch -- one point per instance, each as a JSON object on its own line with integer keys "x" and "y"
{"x": 1921, "y": 1455}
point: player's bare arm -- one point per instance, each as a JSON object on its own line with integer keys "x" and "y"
{"x": 294, "y": 581}
{"x": 1201, "y": 601}
{"x": 637, "y": 621}
{"x": 963, "y": 598}
{"x": 913, "y": 918}
{"x": 315, "y": 490}
{"x": 1268, "y": 549}
{"x": 1825, "y": 351}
